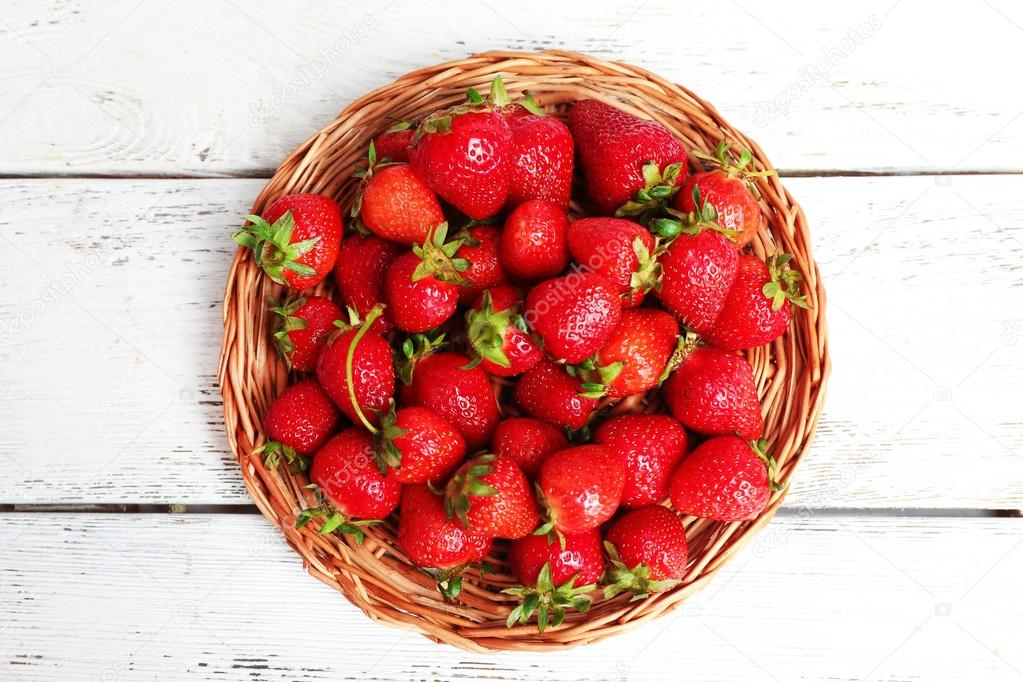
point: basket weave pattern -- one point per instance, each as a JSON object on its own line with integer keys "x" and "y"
{"x": 791, "y": 372}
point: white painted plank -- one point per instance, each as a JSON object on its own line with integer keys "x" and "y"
{"x": 110, "y": 391}
{"x": 202, "y": 88}
{"x": 116, "y": 597}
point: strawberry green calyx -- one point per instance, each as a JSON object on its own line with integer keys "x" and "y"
{"x": 550, "y": 603}
{"x": 705, "y": 217}
{"x": 548, "y": 528}
{"x": 648, "y": 274}
{"x": 437, "y": 258}
{"x": 486, "y": 331}
{"x": 335, "y": 521}
{"x": 724, "y": 159}
{"x": 596, "y": 378}
{"x": 414, "y": 349}
{"x": 659, "y": 186}
{"x": 388, "y": 455}
{"x": 272, "y": 246}
{"x": 376, "y": 312}
{"x": 687, "y": 342}
{"x": 531, "y": 105}
{"x": 620, "y": 578}
{"x": 364, "y": 173}
{"x": 272, "y": 452}
{"x": 759, "y": 448}
{"x": 449, "y": 580}
{"x": 399, "y": 126}
{"x": 287, "y": 323}
{"x": 784, "y": 284}
{"x": 468, "y": 481}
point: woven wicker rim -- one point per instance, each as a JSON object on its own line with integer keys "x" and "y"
{"x": 791, "y": 373}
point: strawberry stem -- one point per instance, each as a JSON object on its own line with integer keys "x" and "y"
{"x": 349, "y": 364}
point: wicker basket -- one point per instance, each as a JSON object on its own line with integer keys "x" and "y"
{"x": 376, "y": 577}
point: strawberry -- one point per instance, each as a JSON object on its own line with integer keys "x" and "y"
{"x": 635, "y": 356}
{"x": 465, "y": 155}
{"x": 417, "y": 445}
{"x": 728, "y": 189}
{"x": 543, "y": 158}
{"x": 365, "y": 357}
{"x": 652, "y": 446}
{"x": 393, "y": 143}
{"x": 421, "y": 287}
{"x": 394, "y": 203}
{"x": 630, "y": 163}
{"x": 648, "y": 552}
{"x": 301, "y": 331}
{"x": 479, "y": 248}
{"x": 697, "y": 273}
{"x": 574, "y": 314}
{"x": 346, "y": 473}
{"x": 714, "y": 392}
{"x": 757, "y": 310}
{"x": 621, "y": 251}
{"x": 580, "y": 487}
{"x": 550, "y": 394}
{"x": 533, "y": 242}
{"x": 497, "y": 333}
{"x": 361, "y": 267}
{"x": 298, "y": 422}
{"x": 527, "y": 442}
{"x": 725, "y": 479}
{"x": 296, "y": 240}
{"x": 549, "y": 572}
{"x": 432, "y": 541}
{"x": 464, "y": 397}
{"x": 491, "y": 496}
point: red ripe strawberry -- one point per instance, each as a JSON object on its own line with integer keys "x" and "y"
{"x": 728, "y": 189}
{"x": 652, "y": 446}
{"x": 648, "y": 552}
{"x": 714, "y": 392}
{"x": 393, "y": 143}
{"x": 527, "y": 442}
{"x": 345, "y": 471}
{"x": 371, "y": 369}
{"x": 542, "y": 161}
{"x": 463, "y": 397}
{"x": 549, "y": 572}
{"x": 581, "y": 487}
{"x": 491, "y": 496}
{"x": 302, "y": 328}
{"x": 497, "y": 333}
{"x": 581, "y": 557}
{"x": 757, "y": 309}
{"x": 574, "y": 314}
{"x": 298, "y": 422}
{"x": 550, "y": 394}
{"x": 479, "y": 248}
{"x": 465, "y": 155}
{"x": 725, "y": 479}
{"x": 634, "y": 359}
{"x": 396, "y": 205}
{"x": 361, "y": 267}
{"x": 533, "y": 242}
{"x": 621, "y": 251}
{"x": 418, "y": 445}
{"x": 434, "y": 542}
{"x": 296, "y": 240}
{"x": 697, "y": 273}
{"x": 629, "y": 162}
{"x": 421, "y": 287}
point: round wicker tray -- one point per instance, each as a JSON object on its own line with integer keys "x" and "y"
{"x": 791, "y": 373}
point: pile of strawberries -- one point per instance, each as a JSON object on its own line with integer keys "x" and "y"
{"x": 500, "y": 371}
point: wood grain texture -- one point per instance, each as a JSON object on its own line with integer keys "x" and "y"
{"x": 145, "y": 87}
{"x": 220, "y": 597}
{"x": 110, "y": 324}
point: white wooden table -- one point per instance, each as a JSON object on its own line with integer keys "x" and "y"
{"x": 133, "y": 136}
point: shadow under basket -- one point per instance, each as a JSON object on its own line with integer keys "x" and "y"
{"x": 377, "y": 577}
